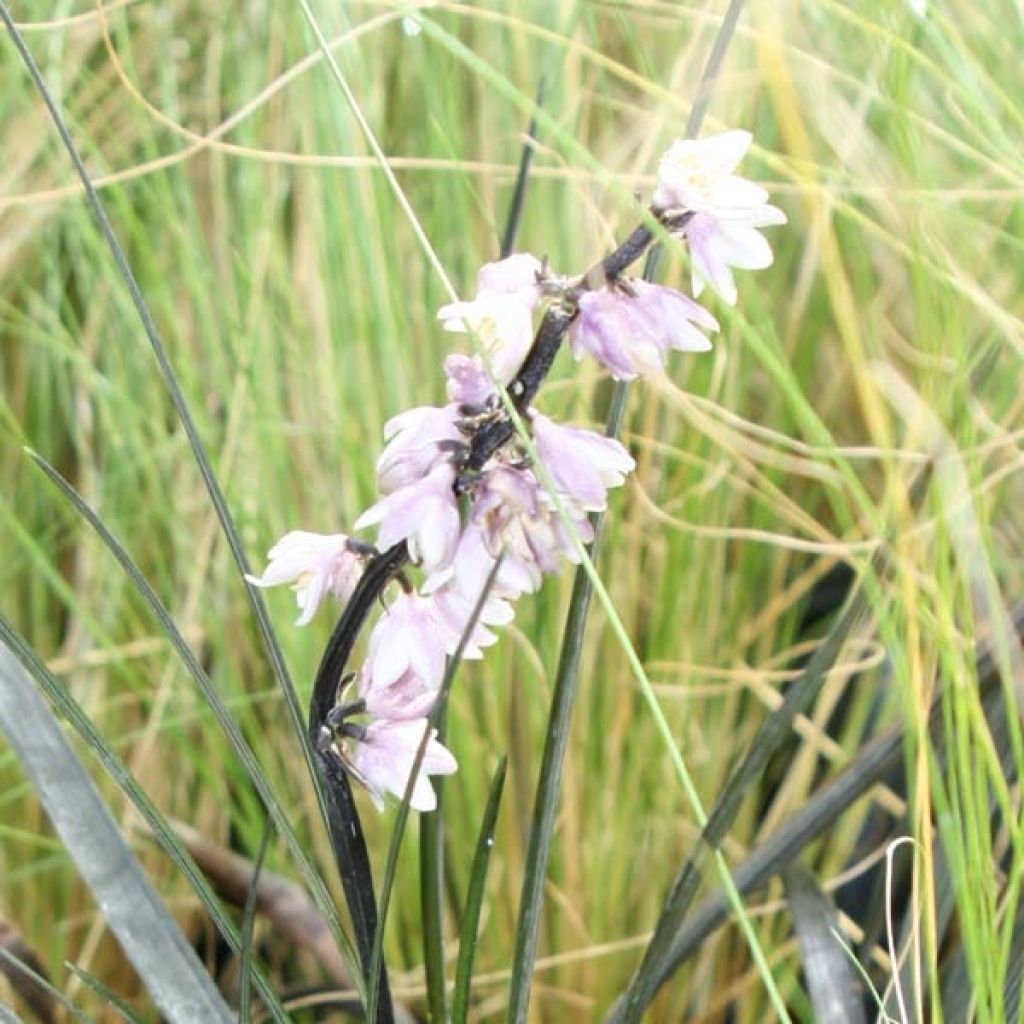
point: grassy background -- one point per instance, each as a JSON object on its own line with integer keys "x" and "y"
{"x": 298, "y": 310}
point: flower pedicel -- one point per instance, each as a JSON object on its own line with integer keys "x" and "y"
{"x": 435, "y": 455}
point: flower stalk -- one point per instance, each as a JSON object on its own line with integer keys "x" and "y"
{"x": 462, "y": 502}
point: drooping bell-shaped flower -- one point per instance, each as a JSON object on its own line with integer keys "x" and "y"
{"x": 416, "y": 444}
{"x": 696, "y": 176}
{"x": 631, "y": 334}
{"x": 716, "y": 245}
{"x": 501, "y": 313}
{"x": 456, "y": 590}
{"x": 582, "y": 464}
{"x": 423, "y": 514}
{"x": 409, "y": 696}
{"x": 516, "y": 516}
{"x": 407, "y": 638}
{"x": 516, "y": 275}
{"x": 468, "y": 383}
{"x": 317, "y": 564}
{"x": 382, "y": 759}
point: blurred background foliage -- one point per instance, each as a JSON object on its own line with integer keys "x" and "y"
{"x": 882, "y": 348}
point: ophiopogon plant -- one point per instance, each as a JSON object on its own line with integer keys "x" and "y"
{"x": 480, "y": 497}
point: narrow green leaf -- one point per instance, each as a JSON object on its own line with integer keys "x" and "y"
{"x": 402, "y": 818}
{"x": 469, "y": 926}
{"x": 545, "y": 807}
{"x": 111, "y": 998}
{"x": 824, "y": 808}
{"x": 147, "y": 932}
{"x": 179, "y": 402}
{"x": 248, "y": 922}
{"x": 659, "y": 959}
{"x": 129, "y": 786}
{"x": 216, "y": 704}
{"x": 431, "y": 855}
{"x": 833, "y": 984}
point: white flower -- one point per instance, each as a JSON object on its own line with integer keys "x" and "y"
{"x": 696, "y": 175}
{"x": 501, "y": 313}
{"x": 383, "y": 760}
{"x": 503, "y": 325}
{"x": 515, "y": 275}
{"x": 317, "y": 564}
{"x": 583, "y": 464}
{"x": 416, "y": 444}
{"x": 424, "y": 514}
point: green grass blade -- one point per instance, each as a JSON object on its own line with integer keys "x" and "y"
{"x": 402, "y": 817}
{"x": 658, "y": 961}
{"x": 556, "y": 739}
{"x": 833, "y": 984}
{"x": 469, "y": 925}
{"x": 178, "y": 400}
{"x": 248, "y": 923}
{"x": 216, "y": 704}
{"x": 431, "y": 857}
{"x": 147, "y": 932}
{"x": 123, "y": 778}
{"x": 111, "y": 998}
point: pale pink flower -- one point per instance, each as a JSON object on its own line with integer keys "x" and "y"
{"x": 456, "y": 590}
{"x": 317, "y": 564}
{"x": 501, "y": 313}
{"x": 417, "y": 441}
{"x": 468, "y": 383}
{"x": 515, "y": 515}
{"x": 383, "y": 760}
{"x": 716, "y": 245}
{"x": 406, "y": 639}
{"x": 516, "y": 275}
{"x": 630, "y": 335}
{"x": 424, "y": 514}
{"x": 582, "y": 464}
{"x": 408, "y": 696}
{"x": 503, "y": 325}
{"x": 696, "y": 176}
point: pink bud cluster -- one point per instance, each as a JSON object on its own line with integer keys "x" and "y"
{"x": 629, "y": 326}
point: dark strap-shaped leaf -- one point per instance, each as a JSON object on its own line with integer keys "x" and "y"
{"x": 833, "y": 984}
{"x": 147, "y": 932}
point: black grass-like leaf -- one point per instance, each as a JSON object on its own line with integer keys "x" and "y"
{"x": 832, "y": 982}
{"x": 147, "y": 932}
{"x": 661, "y": 956}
